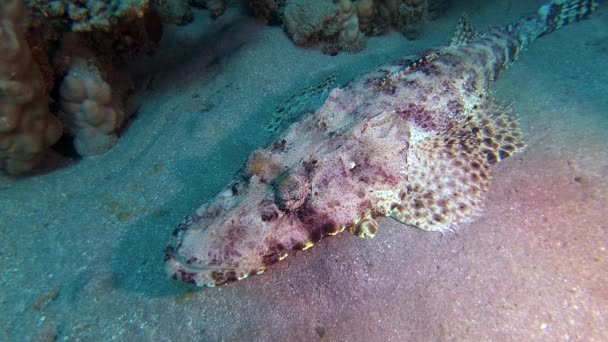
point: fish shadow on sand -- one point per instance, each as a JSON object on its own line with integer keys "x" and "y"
{"x": 137, "y": 261}
{"x": 599, "y": 45}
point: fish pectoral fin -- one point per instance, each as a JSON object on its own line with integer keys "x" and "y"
{"x": 448, "y": 178}
{"x": 498, "y": 131}
{"x": 464, "y": 32}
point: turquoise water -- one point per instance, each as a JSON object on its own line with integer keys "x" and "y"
{"x": 82, "y": 246}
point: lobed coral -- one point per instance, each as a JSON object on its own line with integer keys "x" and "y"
{"x": 215, "y": 7}
{"x": 408, "y": 15}
{"x": 336, "y": 25}
{"x": 310, "y": 21}
{"x": 90, "y": 110}
{"x": 349, "y": 38}
{"x": 86, "y": 45}
{"x": 270, "y": 11}
{"x": 437, "y": 8}
{"x": 176, "y": 12}
{"x": 365, "y": 12}
{"x": 90, "y": 15}
{"x": 27, "y": 128}
{"x": 92, "y": 94}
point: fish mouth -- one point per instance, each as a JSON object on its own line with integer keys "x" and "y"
{"x": 197, "y": 274}
{"x": 218, "y": 243}
{"x": 185, "y": 265}
{"x": 272, "y": 209}
{"x": 243, "y": 230}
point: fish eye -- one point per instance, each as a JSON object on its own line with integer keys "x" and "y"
{"x": 291, "y": 192}
{"x": 269, "y": 211}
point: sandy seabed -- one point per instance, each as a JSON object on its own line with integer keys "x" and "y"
{"x": 81, "y": 248}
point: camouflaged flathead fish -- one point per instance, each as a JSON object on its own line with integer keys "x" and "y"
{"x": 413, "y": 141}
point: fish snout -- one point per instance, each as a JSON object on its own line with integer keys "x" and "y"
{"x": 200, "y": 275}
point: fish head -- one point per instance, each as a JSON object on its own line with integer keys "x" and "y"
{"x": 250, "y": 225}
{"x": 289, "y": 198}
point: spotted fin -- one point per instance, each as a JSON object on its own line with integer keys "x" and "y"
{"x": 559, "y": 13}
{"x": 464, "y": 33}
{"x": 498, "y": 130}
{"x": 450, "y": 172}
{"x": 447, "y": 179}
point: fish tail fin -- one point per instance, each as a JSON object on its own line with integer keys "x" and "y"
{"x": 548, "y": 18}
{"x": 559, "y": 13}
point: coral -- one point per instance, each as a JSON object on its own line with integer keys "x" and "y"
{"x": 406, "y": 16}
{"x": 409, "y": 15}
{"x": 126, "y": 42}
{"x": 402, "y": 15}
{"x": 120, "y": 30}
{"x": 26, "y": 127}
{"x": 87, "y": 56}
{"x": 90, "y": 110}
{"x": 269, "y": 10}
{"x": 365, "y": 12}
{"x": 215, "y": 7}
{"x": 90, "y": 15}
{"x": 335, "y": 25}
{"x": 310, "y": 21}
{"x": 437, "y": 8}
{"x": 349, "y": 38}
{"x": 176, "y": 12}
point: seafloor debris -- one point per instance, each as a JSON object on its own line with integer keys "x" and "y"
{"x": 176, "y": 12}
{"x": 271, "y": 11}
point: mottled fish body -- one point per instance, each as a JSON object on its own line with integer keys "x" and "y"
{"x": 413, "y": 141}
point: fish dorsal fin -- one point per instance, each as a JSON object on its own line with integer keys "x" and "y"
{"x": 464, "y": 33}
